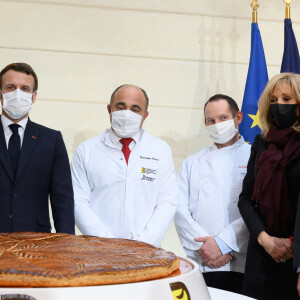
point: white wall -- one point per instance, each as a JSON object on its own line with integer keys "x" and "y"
{"x": 180, "y": 52}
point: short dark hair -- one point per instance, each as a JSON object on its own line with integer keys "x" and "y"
{"x": 114, "y": 92}
{"x": 232, "y": 104}
{"x": 20, "y": 67}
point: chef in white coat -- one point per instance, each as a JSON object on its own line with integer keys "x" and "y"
{"x": 124, "y": 179}
{"x": 207, "y": 220}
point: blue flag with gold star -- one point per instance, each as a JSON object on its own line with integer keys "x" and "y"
{"x": 290, "y": 59}
{"x": 257, "y": 79}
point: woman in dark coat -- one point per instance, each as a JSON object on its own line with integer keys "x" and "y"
{"x": 269, "y": 200}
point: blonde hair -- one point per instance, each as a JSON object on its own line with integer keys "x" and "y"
{"x": 277, "y": 81}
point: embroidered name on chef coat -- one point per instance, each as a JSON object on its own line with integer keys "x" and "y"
{"x": 147, "y": 178}
{"x": 152, "y": 158}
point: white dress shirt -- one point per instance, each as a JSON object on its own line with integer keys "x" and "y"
{"x": 209, "y": 186}
{"x": 7, "y": 131}
{"x": 116, "y": 140}
{"x": 112, "y": 199}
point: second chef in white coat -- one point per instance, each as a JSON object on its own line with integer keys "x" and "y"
{"x": 115, "y": 196}
{"x": 208, "y": 221}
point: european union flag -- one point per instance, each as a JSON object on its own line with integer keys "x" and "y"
{"x": 257, "y": 79}
{"x": 290, "y": 59}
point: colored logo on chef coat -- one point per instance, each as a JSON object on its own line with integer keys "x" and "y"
{"x": 148, "y": 171}
{"x": 180, "y": 291}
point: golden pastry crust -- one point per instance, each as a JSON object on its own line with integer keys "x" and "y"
{"x": 30, "y": 259}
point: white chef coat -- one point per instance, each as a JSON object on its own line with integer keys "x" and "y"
{"x": 112, "y": 199}
{"x": 210, "y": 183}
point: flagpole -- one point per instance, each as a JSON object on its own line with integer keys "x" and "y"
{"x": 254, "y": 6}
{"x": 290, "y": 59}
{"x": 257, "y": 79}
{"x": 287, "y": 8}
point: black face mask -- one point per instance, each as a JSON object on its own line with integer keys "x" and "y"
{"x": 284, "y": 115}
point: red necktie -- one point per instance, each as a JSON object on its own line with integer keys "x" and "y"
{"x": 126, "y": 150}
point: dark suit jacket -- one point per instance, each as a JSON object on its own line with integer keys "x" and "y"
{"x": 43, "y": 171}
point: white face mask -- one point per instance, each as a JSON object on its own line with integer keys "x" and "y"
{"x": 222, "y": 132}
{"x": 125, "y": 123}
{"x": 17, "y": 103}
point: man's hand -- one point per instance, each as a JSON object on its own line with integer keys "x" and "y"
{"x": 210, "y": 250}
{"x": 298, "y": 286}
{"x": 220, "y": 262}
{"x": 280, "y": 249}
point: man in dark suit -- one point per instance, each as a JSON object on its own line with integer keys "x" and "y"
{"x": 33, "y": 161}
